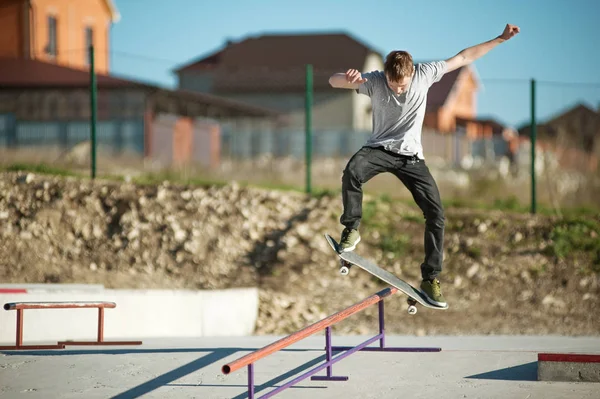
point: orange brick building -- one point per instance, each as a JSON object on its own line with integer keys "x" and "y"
{"x": 57, "y": 30}
{"x": 44, "y": 90}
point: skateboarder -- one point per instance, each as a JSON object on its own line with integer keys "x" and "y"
{"x": 398, "y": 97}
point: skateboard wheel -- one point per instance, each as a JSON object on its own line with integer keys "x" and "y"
{"x": 344, "y": 267}
{"x": 412, "y": 309}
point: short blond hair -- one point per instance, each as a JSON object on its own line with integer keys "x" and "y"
{"x": 398, "y": 65}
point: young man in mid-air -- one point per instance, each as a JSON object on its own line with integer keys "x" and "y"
{"x": 399, "y": 96}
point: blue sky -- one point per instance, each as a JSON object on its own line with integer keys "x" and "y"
{"x": 559, "y": 41}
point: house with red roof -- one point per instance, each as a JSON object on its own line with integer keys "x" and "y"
{"x": 45, "y": 90}
{"x": 269, "y": 70}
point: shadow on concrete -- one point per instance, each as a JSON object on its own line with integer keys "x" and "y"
{"x": 213, "y": 355}
{"x": 175, "y": 374}
{"x": 273, "y": 383}
{"x": 523, "y": 372}
{"x": 100, "y": 351}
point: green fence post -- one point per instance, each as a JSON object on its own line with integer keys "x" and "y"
{"x": 308, "y": 125}
{"x": 93, "y": 97}
{"x": 532, "y": 140}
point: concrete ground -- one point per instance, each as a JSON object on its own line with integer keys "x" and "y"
{"x": 467, "y": 367}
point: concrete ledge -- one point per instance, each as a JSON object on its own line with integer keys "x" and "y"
{"x": 570, "y": 367}
{"x": 140, "y": 314}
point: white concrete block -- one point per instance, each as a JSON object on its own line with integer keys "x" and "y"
{"x": 139, "y": 314}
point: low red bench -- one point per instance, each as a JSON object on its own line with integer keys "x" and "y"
{"x": 21, "y": 306}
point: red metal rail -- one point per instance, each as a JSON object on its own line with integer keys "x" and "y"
{"x": 326, "y": 323}
{"x": 306, "y": 332}
{"x": 21, "y": 306}
{"x": 13, "y": 291}
{"x": 58, "y": 305}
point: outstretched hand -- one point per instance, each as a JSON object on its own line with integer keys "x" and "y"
{"x": 354, "y": 76}
{"x": 510, "y": 31}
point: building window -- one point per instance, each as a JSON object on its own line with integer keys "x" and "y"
{"x": 51, "y": 49}
{"x": 89, "y": 41}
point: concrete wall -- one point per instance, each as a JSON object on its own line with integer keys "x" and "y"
{"x": 206, "y": 143}
{"x": 176, "y": 141}
{"x": 331, "y": 109}
{"x": 139, "y": 314}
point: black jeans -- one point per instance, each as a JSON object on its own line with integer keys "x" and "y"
{"x": 369, "y": 162}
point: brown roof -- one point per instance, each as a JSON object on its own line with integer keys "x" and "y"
{"x": 25, "y": 74}
{"x": 276, "y": 63}
{"x": 577, "y": 111}
{"x": 16, "y": 72}
{"x": 573, "y": 114}
{"x": 288, "y": 51}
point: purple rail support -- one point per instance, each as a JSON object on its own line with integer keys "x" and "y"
{"x": 381, "y": 325}
{"x": 328, "y": 355}
{"x": 326, "y": 323}
{"x": 382, "y": 347}
{"x": 319, "y": 368}
{"x": 251, "y": 381}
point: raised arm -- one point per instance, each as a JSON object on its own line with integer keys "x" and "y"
{"x": 470, "y": 54}
{"x": 349, "y": 80}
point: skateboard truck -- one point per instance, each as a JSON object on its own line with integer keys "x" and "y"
{"x": 345, "y": 270}
{"x": 345, "y": 267}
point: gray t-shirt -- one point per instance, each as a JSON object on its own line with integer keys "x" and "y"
{"x": 398, "y": 119}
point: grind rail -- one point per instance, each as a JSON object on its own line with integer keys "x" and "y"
{"x": 21, "y": 306}
{"x": 326, "y": 323}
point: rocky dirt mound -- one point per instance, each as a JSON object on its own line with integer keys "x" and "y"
{"x": 504, "y": 273}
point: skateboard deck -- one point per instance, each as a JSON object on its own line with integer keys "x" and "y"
{"x": 351, "y": 258}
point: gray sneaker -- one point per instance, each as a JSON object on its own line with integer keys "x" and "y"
{"x": 350, "y": 238}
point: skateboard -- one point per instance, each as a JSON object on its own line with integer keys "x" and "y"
{"x": 347, "y": 259}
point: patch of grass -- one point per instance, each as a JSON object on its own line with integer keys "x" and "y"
{"x": 369, "y": 212}
{"x": 385, "y": 198}
{"x": 512, "y": 204}
{"x": 325, "y": 193}
{"x": 537, "y": 270}
{"x": 414, "y": 218}
{"x": 509, "y": 204}
{"x": 455, "y": 203}
{"x": 455, "y": 224}
{"x": 158, "y": 178}
{"x": 334, "y": 216}
{"x": 575, "y": 235}
{"x": 271, "y": 186}
{"x": 39, "y": 168}
{"x": 395, "y": 243}
{"x": 577, "y": 212}
{"x": 473, "y": 252}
